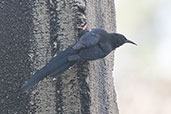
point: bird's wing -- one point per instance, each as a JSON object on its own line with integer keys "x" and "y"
{"x": 92, "y": 53}
{"x": 89, "y": 39}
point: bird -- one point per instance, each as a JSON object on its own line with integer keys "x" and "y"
{"x": 93, "y": 44}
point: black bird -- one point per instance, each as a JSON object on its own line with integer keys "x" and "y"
{"x": 92, "y": 45}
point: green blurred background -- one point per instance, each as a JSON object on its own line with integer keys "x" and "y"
{"x": 142, "y": 73}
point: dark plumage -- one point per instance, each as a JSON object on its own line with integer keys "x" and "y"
{"x": 94, "y": 44}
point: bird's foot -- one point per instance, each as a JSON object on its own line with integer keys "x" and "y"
{"x": 82, "y": 30}
{"x": 84, "y": 27}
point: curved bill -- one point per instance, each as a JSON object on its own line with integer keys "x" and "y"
{"x": 129, "y": 41}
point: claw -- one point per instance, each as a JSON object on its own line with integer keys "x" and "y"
{"x": 84, "y": 27}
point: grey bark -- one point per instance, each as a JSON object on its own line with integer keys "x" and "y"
{"x": 31, "y": 33}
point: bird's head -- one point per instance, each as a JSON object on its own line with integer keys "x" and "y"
{"x": 119, "y": 39}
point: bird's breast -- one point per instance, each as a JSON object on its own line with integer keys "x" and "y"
{"x": 105, "y": 47}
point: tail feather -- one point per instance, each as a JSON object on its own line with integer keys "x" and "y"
{"x": 56, "y": 65}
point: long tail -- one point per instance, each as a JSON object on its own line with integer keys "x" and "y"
{"x": 56, "y": 65}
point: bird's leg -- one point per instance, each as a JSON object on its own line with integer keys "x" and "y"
{"x": 74, "y": 58}
{"x": 84, "y": 27}
{"x": 82, "y": 30}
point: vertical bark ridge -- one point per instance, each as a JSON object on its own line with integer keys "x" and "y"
{"x": 43, "y": 96}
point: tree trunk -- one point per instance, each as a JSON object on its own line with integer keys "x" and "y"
{"x": 31, "y": 33}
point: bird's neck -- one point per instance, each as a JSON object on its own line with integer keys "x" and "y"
{"x": 113, "y": 40}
